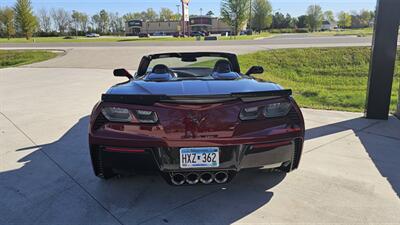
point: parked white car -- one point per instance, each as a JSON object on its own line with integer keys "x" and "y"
{"x": 92, "y": 35}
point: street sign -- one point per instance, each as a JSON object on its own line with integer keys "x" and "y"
{"x": 186, "y": 12}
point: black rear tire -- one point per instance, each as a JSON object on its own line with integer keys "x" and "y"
{"x": 99, "y": 167}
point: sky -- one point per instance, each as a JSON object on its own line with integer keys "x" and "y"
{"x": 293, "y": 7}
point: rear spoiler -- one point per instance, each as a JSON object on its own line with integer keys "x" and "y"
{"x": 195, "y": 99}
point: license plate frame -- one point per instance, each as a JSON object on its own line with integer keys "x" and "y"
{"x": 199, "y": 157}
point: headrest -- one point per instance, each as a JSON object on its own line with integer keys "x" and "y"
{"x": 223, "y": 66}
{"x": 160, "y": 69}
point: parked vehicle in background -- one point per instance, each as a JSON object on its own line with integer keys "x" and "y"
{"x": 144, "y": 35}
{"x": 246, "y": 32}
{"x": 196, "y": 33}
{"x": 178, "y": 34}
{"x": 159, "y": 34}
{"x": 90, "y": 35}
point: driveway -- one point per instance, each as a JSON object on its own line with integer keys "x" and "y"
{"x": 348, "y": 174}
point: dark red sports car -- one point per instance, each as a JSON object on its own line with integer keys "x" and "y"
{"x": 195, "y": 118}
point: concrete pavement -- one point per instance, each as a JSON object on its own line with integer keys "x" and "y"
{"x": 348, "y": 175}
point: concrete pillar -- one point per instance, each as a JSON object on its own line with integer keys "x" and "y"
{"x": 383, "y": 59}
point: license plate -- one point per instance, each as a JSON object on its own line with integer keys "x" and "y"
{"x": 199, "y": 157}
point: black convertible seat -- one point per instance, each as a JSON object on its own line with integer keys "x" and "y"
{"x": 160, "y": 69}
{"x": 159, "y": 72}
{"x": 223, "y": 71}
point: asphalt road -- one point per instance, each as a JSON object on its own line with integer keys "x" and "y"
{"x": 348, "y": 174}
{"x": 110, "y": 55}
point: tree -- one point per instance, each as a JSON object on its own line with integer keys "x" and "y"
{"x": 314, "y": 17}
{"x": 344, "y": 20}
{"x": 235, "y": 13}
{"x": 132, "y": 16}
{"x": 44, "y": 20}
{"x": 328, "y": 16}
{"x": 84, "y": 19}
{"x": 262, "y": 17}
{"x": 62, "y": 19}
{"x": 116, "y": 23}
{"x": 24, "y": 17}
{"x": 76, "y": 20}
{"x": 210, "y": 13}
{"x": 365, "y": 17}
{"x": 104, "y": 21}
{"x": 150, "y": 15}
{"x": 7, "y": 18}
{"x": 278, "y": 21}
{"x": 96, "y": 23}
{"x": 301, "y": 21}
{"x": 166, "y": 14}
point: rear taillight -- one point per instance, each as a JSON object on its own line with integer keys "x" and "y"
{"x": 116, "y": 114}
{"x": 266, "y": 111}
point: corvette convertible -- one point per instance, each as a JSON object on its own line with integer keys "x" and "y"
{"x": 195, "y": 118}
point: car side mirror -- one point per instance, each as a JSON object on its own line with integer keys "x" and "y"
{"x": 255, "y": 70}
{"x": 122, "y": 73}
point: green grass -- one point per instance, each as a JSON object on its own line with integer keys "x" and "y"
{"x": 9, "y": 58}
{"x": 355, "y": 32}
{"x": 120, "y": 39}
{"x": 321, "y": 78}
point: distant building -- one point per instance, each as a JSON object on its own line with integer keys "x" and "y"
{"x": 328, "y": 25}
{"x": 213, "y": 25}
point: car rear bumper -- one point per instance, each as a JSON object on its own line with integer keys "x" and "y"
{"x": 232, "y": 157}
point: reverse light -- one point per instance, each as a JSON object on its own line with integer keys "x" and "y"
{"x": 250, "y": 113}
{"x": 277, "y": 109}
{"x": 116, "y": 114}
{"x": 145, "y": 116}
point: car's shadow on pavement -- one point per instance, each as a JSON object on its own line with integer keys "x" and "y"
{"x": 56, "y": 185}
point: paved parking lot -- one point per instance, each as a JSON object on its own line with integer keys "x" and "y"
{"x": 349, "y": 173}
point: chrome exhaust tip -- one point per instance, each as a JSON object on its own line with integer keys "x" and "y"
{"x": 178, "y": 179}
{"x": 192, "y": 178}
{"x": 206, "y": 178}
{"x": 221, "y": 177}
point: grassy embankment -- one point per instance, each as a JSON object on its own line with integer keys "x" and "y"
{"x": 9, "y": 58}
{"x": 122, "y": 39}
{"x": 321, "y": 78}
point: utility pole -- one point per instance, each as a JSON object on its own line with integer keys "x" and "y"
{"x": 251, "y": 9}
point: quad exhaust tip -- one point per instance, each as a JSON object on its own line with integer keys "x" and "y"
{"x": 178, "y": 179}
{"x": 221, "y": 177}
{"x": 194, "y": 178}
{"x": 206, "y": 178}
